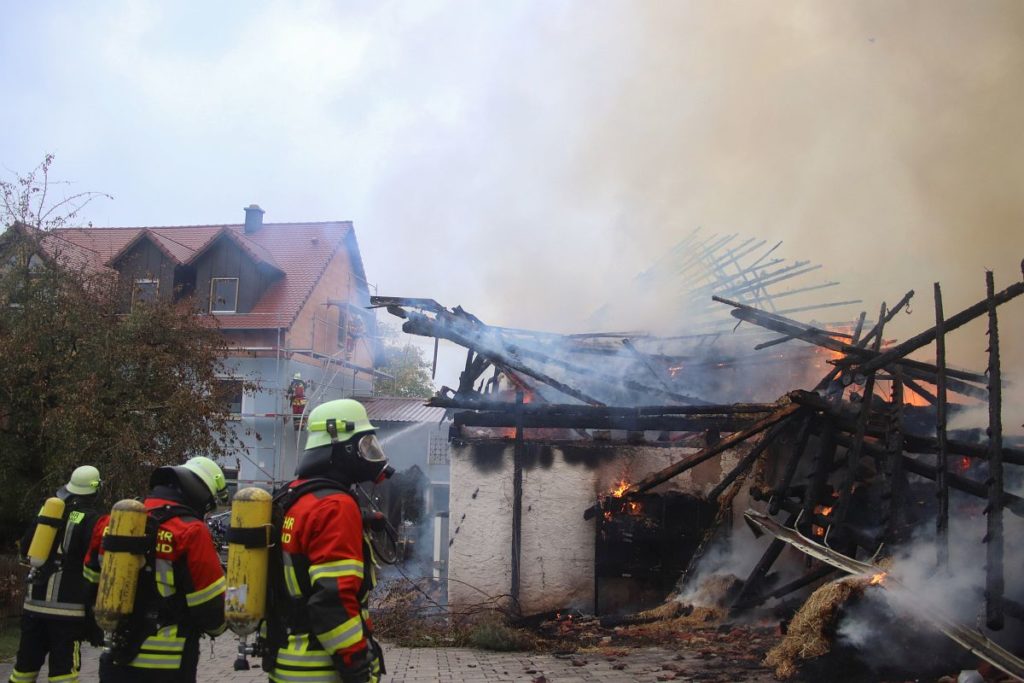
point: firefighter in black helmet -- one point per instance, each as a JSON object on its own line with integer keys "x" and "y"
{"x": 181, "y": 595}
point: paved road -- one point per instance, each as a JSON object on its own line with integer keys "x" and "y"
{"x": 418, "y": 665}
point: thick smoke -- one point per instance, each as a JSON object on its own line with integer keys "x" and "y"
{"x": 873, "y": 137}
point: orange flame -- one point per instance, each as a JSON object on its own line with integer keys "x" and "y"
{"x": 878, "y": 579}
{"x": 620, "y": 489}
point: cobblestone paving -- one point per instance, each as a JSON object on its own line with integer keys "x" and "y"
{"x": 407, "y": 665}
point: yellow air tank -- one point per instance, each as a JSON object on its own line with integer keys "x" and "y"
{"x": 51, "y": 516}
{"x": 245, "y": 600}
{"x": 119, "y": 574}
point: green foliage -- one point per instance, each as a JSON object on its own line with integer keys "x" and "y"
{"x": 82, "y": 382}
{"x": 406, "y": 364}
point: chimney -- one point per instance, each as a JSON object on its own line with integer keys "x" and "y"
{"x": 253, "y": 218}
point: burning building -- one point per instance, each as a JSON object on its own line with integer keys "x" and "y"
{"x": 594, "y": 471}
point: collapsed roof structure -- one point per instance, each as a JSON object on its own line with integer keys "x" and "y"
{"x": 843, "y": 440}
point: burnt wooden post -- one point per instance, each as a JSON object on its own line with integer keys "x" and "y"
{"x": 894, "y": 458}
{"x": 822, "y": 467}
{"x": 517, "y": 504}
{"x": 751, "y": 587}
{"x": 995, "y": 580}
{"x": 853, "y": 454}
{"x": 942, "y": 484}
{"x": 791, "y": 467}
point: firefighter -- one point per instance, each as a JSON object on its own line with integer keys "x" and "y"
{"x": 319, "y": 628}
{"x": 55, "y": 618}
{"x": 297, "y": 399}
{"x": 180, "y": 596}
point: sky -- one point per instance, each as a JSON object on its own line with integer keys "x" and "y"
{"x": 527, "y": 159}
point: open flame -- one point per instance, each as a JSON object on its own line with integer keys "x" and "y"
{"x": 824, "y": 511}
{"x": 878, "y": 579}
{"x": 620, "y": 489}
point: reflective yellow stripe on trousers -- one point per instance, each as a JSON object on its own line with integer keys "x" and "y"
{"x": 163, "y": 650}
{"x": 297, "y": 662}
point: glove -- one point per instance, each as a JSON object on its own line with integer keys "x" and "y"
{"x": 358, "y": 670}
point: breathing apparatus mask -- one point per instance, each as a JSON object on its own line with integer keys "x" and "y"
{"x": 360, "y": 459}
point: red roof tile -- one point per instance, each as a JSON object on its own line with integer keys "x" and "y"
{"x": 301, "y": 251}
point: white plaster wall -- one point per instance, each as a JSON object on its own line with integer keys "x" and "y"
{"x": 559, "y": 483}
{"x": 480, "y": 524}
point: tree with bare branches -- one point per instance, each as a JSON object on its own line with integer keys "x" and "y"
{"x": 81, "y": 383}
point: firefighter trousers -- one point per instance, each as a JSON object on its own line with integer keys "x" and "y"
{"x": 186, "y": 673}
{"x": 42, "y": 636}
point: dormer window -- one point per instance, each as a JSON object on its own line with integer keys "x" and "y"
{"x": 145, "y": 291}
{"x": 223, "y": 295}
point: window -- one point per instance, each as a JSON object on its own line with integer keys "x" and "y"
{"x": 230, "y": 389}
{"x": 145, "y": 291}
{"x": 223, "y": 295}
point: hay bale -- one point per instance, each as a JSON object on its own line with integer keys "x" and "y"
{"x": 812, "y": 629}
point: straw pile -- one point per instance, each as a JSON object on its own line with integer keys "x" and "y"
{"x": 813, "y": 627}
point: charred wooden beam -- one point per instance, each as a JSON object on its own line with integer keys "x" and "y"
{"x": 853, "y": 533}
{"x": 912, "y": 443}
{"x": 928, "y": 336}
{"x": 633, "y": 423}
{"x": 1011, "y": 502}
{"x": 995, "y": 580}
{"x": 748, "y": 595}
{"x": 920, "y": 391}
{"x": 806, "y": 580}
{"x": 954, "y": 384}
{"x": 816, "y": 307}
{"x": 746, "y": 461}
{"x": 675, "y": 469}
{"x": 942, "y": 465}
{"x": 590, "y": 411}
{"x": 728, "y": 442}
{"x": 880, "y": 325}
{"x": 427, "y": 327}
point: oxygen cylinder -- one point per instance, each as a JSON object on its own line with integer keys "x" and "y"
{"x": 50, "y": 517}
{"x": 245, "y": 598}
{"x": 119, "y": 573}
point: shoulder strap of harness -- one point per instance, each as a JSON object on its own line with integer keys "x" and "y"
{"x": 288, "y": 495}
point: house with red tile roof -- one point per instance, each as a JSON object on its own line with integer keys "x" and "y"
{"x": 290, "y": 298}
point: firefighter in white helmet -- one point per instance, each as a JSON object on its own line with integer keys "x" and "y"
{"x": 56, "y": 617}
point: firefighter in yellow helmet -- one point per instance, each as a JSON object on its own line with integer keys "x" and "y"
{"x": 180, "y": 596}
{"x": 320, "y": 630}
{"x": 55, "y": 618}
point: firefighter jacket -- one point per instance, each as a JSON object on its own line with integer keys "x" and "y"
{"x": 328, "y": 573}
{"x": 188, "y": 596}
{"x": 59, "y": 590}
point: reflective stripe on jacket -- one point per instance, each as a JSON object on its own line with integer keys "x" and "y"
{"x": 60, "y": 590}
{"x": 328, "y": 580}
{"x": 189, "y": 583}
